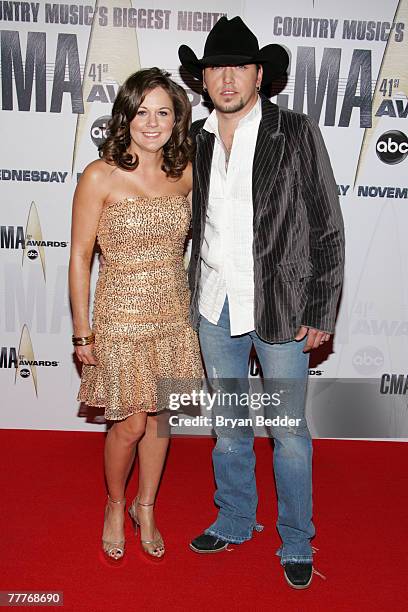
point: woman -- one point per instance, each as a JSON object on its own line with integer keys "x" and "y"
{"x": 134, "y": 202}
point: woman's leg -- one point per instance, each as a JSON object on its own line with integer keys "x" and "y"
{"x": 120, "y": 446}
{"x": 152, "y": 454}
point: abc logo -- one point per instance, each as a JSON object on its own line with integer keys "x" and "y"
{"x": 32, "y": 254}
{"x": 368, "y": 360}
{"x": 24, "y": 373}
{"x": 392, "y": 147}
{"x": 99, "y": 130}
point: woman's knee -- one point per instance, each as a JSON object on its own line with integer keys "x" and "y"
{"x": 131, "y": 429}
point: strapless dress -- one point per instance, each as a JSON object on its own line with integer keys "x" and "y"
{"x": 141, "y": 306}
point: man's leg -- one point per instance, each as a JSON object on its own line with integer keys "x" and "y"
{"x": 226, "y": 361}
{"x": 288, "y": 364}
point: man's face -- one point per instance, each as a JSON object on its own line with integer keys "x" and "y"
{"x": 232, "y": 88}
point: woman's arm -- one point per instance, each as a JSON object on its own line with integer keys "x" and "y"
{"x": 88, "y": 203}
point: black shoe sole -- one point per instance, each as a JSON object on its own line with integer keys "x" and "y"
{"x": 208, "y": 552}
{"x": 298, "y": 586}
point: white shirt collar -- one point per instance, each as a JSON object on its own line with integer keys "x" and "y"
{"x": 211, "y": 124}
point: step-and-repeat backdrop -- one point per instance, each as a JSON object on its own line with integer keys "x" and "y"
{"x": 61, "y": 65}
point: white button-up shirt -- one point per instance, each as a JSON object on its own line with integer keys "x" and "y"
{"x": 227, "y": 265}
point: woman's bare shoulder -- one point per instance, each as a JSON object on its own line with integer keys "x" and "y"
{"x": 98, "y": 170}
{"x": 188, "y": 171}
{"x": 94, "y": 182}
{"x": 188, "y": 176}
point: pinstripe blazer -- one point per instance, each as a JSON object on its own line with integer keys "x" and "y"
{"x": 298, "y": 244}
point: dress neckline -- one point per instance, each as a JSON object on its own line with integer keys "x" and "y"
{"x": 140, "y": 197}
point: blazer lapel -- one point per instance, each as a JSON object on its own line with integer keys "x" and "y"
{"x": 204, "y": 152}
{"x": 269, "y": 150}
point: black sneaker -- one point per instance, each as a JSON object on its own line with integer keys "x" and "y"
{"x": 206, "y": 543}
{"x": 298, "y": 575}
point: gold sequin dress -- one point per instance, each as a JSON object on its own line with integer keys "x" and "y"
{"x": 140, "y": 317}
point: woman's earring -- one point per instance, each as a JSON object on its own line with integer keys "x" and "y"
{"x": 204, "y": 88}
{"x": 258, "y": 88}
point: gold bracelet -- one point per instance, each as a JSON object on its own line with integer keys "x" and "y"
{"x": 83, "y": 340}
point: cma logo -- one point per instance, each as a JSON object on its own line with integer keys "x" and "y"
{"x": 392, "y": 147}
{"x": 30, "y": 241}
{"x": 394, "y": 384}
{"x": 13, "y": 237}
{"x": 23, "y": 359}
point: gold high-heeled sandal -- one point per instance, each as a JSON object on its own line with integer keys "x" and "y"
{"x": 113, "y": 550}
{"x": 154, "y": 549}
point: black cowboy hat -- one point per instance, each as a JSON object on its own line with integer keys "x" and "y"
{"x": 231, "y": 43}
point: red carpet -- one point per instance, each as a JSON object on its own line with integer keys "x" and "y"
{"x": 51, "y": 519}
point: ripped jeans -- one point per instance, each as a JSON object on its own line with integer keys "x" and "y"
{"x": 227, "y": 357}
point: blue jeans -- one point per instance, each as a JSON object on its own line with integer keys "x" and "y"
{"x": 227, "y": 357}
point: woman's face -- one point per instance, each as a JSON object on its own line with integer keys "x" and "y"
{"x": 153, "y": 123}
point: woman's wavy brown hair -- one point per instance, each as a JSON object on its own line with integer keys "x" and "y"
{"x": 177, "y": 152}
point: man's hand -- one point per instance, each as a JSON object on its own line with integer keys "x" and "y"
{"x": 315, "y": 337}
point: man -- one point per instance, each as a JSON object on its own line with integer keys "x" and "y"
{"x": 266, "y": 271}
